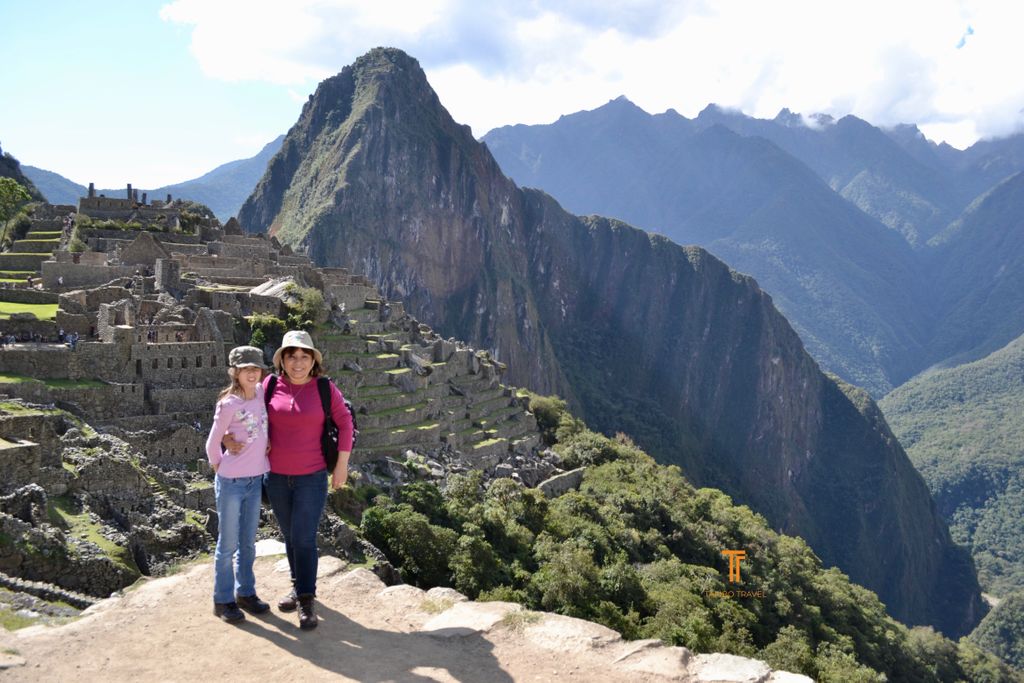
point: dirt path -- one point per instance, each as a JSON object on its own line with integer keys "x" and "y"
{"x": 164, "y": 630}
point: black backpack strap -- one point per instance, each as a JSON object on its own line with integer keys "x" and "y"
{"x": 269, "y": 392}
{"x": 323, "y": 385}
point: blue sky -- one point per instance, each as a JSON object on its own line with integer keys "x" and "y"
{"x": 156, "y": 92}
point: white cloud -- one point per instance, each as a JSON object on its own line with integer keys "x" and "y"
{"x": 943, "y": 64}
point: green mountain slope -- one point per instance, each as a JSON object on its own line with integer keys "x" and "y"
{"x": 963, "y": 428}
{"x": 977, "y": 266}
{"x": 1002, "y": 631}
{"x": 640, "y": 334}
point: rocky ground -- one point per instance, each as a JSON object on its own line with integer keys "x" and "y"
{"x": 163, "y": 629}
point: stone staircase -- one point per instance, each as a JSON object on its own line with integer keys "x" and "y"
{"x": 26, "y": 255}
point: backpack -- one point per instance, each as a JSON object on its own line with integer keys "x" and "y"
{"x": 329, "y": 437}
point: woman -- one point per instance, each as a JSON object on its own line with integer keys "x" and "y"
{"x": 297, "y": 481}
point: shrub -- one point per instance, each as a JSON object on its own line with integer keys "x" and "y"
{"x": 549, "y": 411}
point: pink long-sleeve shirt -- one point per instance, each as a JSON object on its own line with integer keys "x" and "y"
{"x": 297, "y": 422}
{"x": 247, "y": 422}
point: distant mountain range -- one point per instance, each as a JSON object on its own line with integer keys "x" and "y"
{"x": 223, "y": 189}
{"x": 847, "y": 226}
{"x": 663, "y": 342}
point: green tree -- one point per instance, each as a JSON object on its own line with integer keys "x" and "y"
{"x": 791, "y": 651}
{"x": 548, "y": 410}
{"x": 474, "y": 565}
{"x": 420, "y": 549}
{"x": 12, "y": 196}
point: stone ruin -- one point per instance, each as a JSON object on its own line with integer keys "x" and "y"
{"x": 131, "y": 208}
{"x": 102, "y": 440}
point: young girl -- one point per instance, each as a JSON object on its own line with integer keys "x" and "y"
{"x": 239, "y": 476}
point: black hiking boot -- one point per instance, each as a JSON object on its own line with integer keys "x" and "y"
{"x": 252, "y": 604}
{"x": 289, "y": 602}
{"x": 228, "y": 611}
{"x": 307, "y": 612}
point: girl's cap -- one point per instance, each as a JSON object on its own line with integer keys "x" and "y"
{"x": 246, "y": 356}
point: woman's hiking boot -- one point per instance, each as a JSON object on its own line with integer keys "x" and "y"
{"x": 252, "y": 604}
{"x": 228, "y": 611}
{"x": 289, "y": 602}
{"x": 307, "y": 612}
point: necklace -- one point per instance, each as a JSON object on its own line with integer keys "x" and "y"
{"x": 295, "y": 394}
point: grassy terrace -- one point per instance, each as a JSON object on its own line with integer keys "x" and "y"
{"x": 58, "y": 383}
{"x": 41, "y": 311}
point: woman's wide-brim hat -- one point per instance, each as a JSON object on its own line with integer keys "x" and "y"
{"x": 297, "y": 339}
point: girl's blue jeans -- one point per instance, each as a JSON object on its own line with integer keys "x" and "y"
{"x": 238, "y": 513}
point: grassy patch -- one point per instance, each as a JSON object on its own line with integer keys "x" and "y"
{"x": 72, "y": 383}
{"x": 10, "y": 620}
{"x": 79, "y": 524}
{"x": 12, "y": 408}
{"x": 518, "y": 619}
{"x": 56, "y": 383}
{"x": 41, "y": 311}
{"x": 436, "y": 605}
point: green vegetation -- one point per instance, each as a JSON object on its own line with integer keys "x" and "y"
{"x": 63, "y": 513}
{"x": 10, "y": 620}
{"x": 639, "y": 549}
{"x": 14, "y": 407}
{"x": 193, "y": 214}
{"x": 40, "y": 311}
{"x": 12, "y": 197}
{"x": 306, "y": 310}
{"x": 266, "y": 329}
{"x": 60, "y": 383}
{"x": 86, "y": 223}
{"x": 1002, "y": 631}
{"x": 548, "y": 411}
{"x": 962, "y": 429}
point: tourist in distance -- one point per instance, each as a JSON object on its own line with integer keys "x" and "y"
{"x": 238, "y": 482}
{"x": 297, "y": 481}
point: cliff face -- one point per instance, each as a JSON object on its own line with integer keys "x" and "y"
{"x": 642, "y": 335}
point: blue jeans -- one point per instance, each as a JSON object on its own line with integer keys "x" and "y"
{"x": 238, "y": 515}
{"x": 298, "y": 502}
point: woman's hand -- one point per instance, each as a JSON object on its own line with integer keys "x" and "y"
{"x": 233, "y": 445}
{"x": 340, "y": 474}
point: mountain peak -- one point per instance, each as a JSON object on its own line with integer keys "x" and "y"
{"x": 715, "y": 112}
{"x": 787, "y": 117}
{"x": 622, "y": 105}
